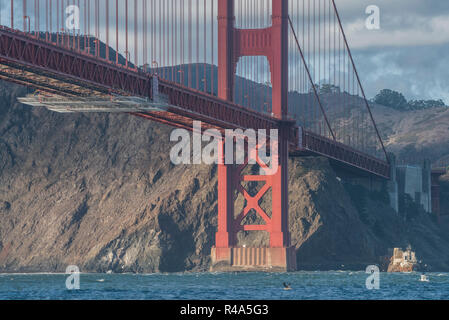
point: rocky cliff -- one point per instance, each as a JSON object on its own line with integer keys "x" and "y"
{"x": 99, "y": 191}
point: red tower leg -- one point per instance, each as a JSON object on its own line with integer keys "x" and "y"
{"x": 279, "y": 236}
{"x": 224, "y": 238}
{"x": 233, "y": 43}
{"x": 225, "y": 235}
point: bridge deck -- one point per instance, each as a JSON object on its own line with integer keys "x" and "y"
{"x": 64, "y": 72}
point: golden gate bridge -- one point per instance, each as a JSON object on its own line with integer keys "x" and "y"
{"x": 231, "y": 64}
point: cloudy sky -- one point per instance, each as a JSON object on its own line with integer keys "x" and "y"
{"x": 410, "y": 51}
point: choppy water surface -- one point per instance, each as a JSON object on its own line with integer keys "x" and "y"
{"x": 236, "y": 286}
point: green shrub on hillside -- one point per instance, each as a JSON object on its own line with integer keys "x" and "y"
{"x": 397, "y": 101}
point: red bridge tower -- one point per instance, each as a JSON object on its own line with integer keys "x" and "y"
{"x": 272, "y": 43}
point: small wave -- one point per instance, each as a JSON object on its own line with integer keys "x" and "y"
{"x": 340, "y": 272}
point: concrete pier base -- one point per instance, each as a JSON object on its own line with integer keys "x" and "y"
{"x": 253, "y": 259}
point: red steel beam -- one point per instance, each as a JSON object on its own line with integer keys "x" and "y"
{"x": 223, "y": 113}
{"x": 62, "y": 63}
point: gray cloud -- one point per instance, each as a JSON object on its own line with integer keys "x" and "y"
{"x": 418, "y": 72}
{"x": 411, "y": 51}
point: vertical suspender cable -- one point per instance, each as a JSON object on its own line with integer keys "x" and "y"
{"x": 79, "y": 28}
{"x": 330, "y": 54}
{"x": 116, "y": 32}
{"x": 254, "y": 59}
{"x": 345, "y": 107}
{"x": 176, "y": 43}
{"x": 126, "y": 32}
{"x": 162, "y": 36}
{"x": 315, "y": 118}
{"x": 303, "y": 79}
{"x": 12, "y": 14}
{"x": 65, "y": 32}
{"x": 170, "y": 41}
{"x": 88, "y": 28}
{"x": 136, "y": 37}
{"x": 24, "y": 10}
{"x": 145, "y": 33}
{"x": 173, "y": 31}
{"x": 205, "y": 56}
{"x": 97, "y": 30}
{"x": 35, "y": 18}
{"x": 319, "y": 56}
{"x": 107, "y": 30}
{"x": 159, "y": 33}
{"x": 153, "y": 44}
{"x": 251, "y": 60}
{"x": 265, "y": 98}
{"x": 51, "y": 19}
{"x": 165, "y": 22}
{"x": 74, "y": 33}
{"x": 245, "y": 61}
{"x": 38, "y": 26}
{"x": 261, "y": 63}
{"x": 61, "y": 13}
{"x": 57, "y": 22}
{"x": 85, "y": 25}
{"x": 213, "y": 48}
{"x": 197, "y": 15}
{"x": 189, "y": 75}
{"x": 182, "y": 36}
{"x": 339, "y": 73}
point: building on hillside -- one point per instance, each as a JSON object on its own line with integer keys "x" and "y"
{"x": 403, "y": 261}
{"x": 436, "y": 190}
{"x": 415, "y": 181}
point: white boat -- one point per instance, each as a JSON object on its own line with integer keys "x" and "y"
{"x": 424, "y": 278}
